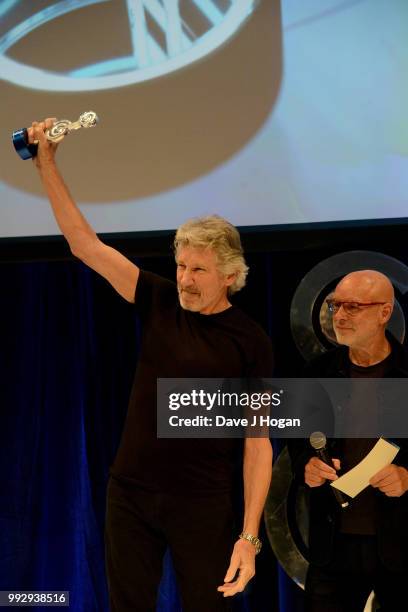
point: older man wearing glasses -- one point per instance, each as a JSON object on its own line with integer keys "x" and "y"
{"x": 364, "y": 547}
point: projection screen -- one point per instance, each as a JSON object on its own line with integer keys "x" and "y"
{"x": 266, "y": 112}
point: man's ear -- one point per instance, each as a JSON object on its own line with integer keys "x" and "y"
{"x": 386, "y": 312}
{"x": 230, "y": 278}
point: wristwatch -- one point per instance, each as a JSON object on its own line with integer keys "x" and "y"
{"x": 253, "y": 539}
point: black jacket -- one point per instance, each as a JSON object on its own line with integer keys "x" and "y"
{"x": 392, "y": 529}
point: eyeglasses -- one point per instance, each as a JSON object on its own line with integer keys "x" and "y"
{"x": 350, "y": 308}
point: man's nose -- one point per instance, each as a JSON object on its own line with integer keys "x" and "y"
{"x": 340, "y": 313}
{"x": 186, "y": 278}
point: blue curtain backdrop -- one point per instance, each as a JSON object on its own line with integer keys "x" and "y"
{"x": 69, "y": 349}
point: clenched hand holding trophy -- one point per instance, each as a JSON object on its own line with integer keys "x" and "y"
{"x": 56, "y": 133}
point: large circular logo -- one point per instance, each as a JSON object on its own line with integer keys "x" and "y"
{"x": 163, "y": 36}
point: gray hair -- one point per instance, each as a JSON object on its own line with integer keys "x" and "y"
{"x": 214, "y": 232}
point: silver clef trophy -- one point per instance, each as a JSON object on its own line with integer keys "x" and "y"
{"x": 55, "y": 134}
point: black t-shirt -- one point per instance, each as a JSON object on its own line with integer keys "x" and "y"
{"x": 177, "y": 343}
{"x": 362, "y": 515}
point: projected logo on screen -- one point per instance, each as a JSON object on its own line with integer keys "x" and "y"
{"x": 164, "y": 35}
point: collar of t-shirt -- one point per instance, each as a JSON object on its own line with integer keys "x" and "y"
{"x": 378, "y": 370}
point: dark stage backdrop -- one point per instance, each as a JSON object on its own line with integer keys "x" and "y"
{"x": 69, "y": 349}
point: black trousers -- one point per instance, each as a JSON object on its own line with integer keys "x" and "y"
{"x": 140, "y": 525}
{"x": 346, "y": 582}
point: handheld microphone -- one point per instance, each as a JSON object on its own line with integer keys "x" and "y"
{"x": 318, "y": 441}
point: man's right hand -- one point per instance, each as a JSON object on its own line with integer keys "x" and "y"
{"x": 317, "y": 472}
{"x": 46, "y": 149}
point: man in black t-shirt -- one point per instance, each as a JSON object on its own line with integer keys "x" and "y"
{"x": 365, "y": 546}
{"x": 176, "y": 493}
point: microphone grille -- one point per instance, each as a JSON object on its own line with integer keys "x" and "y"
{"x": 318, "y": 440}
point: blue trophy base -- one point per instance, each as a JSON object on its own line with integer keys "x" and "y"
{"x": 21, "y": 145}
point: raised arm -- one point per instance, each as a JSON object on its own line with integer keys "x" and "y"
{"x": 83, "y": 241}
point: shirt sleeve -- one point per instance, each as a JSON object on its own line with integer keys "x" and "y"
{"x": 153, "y": 292}
{"x": 262, "y": 363}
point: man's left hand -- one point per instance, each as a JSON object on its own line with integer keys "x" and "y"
{"x": 391, "y": 480}
{"x": 243, "y": 562}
